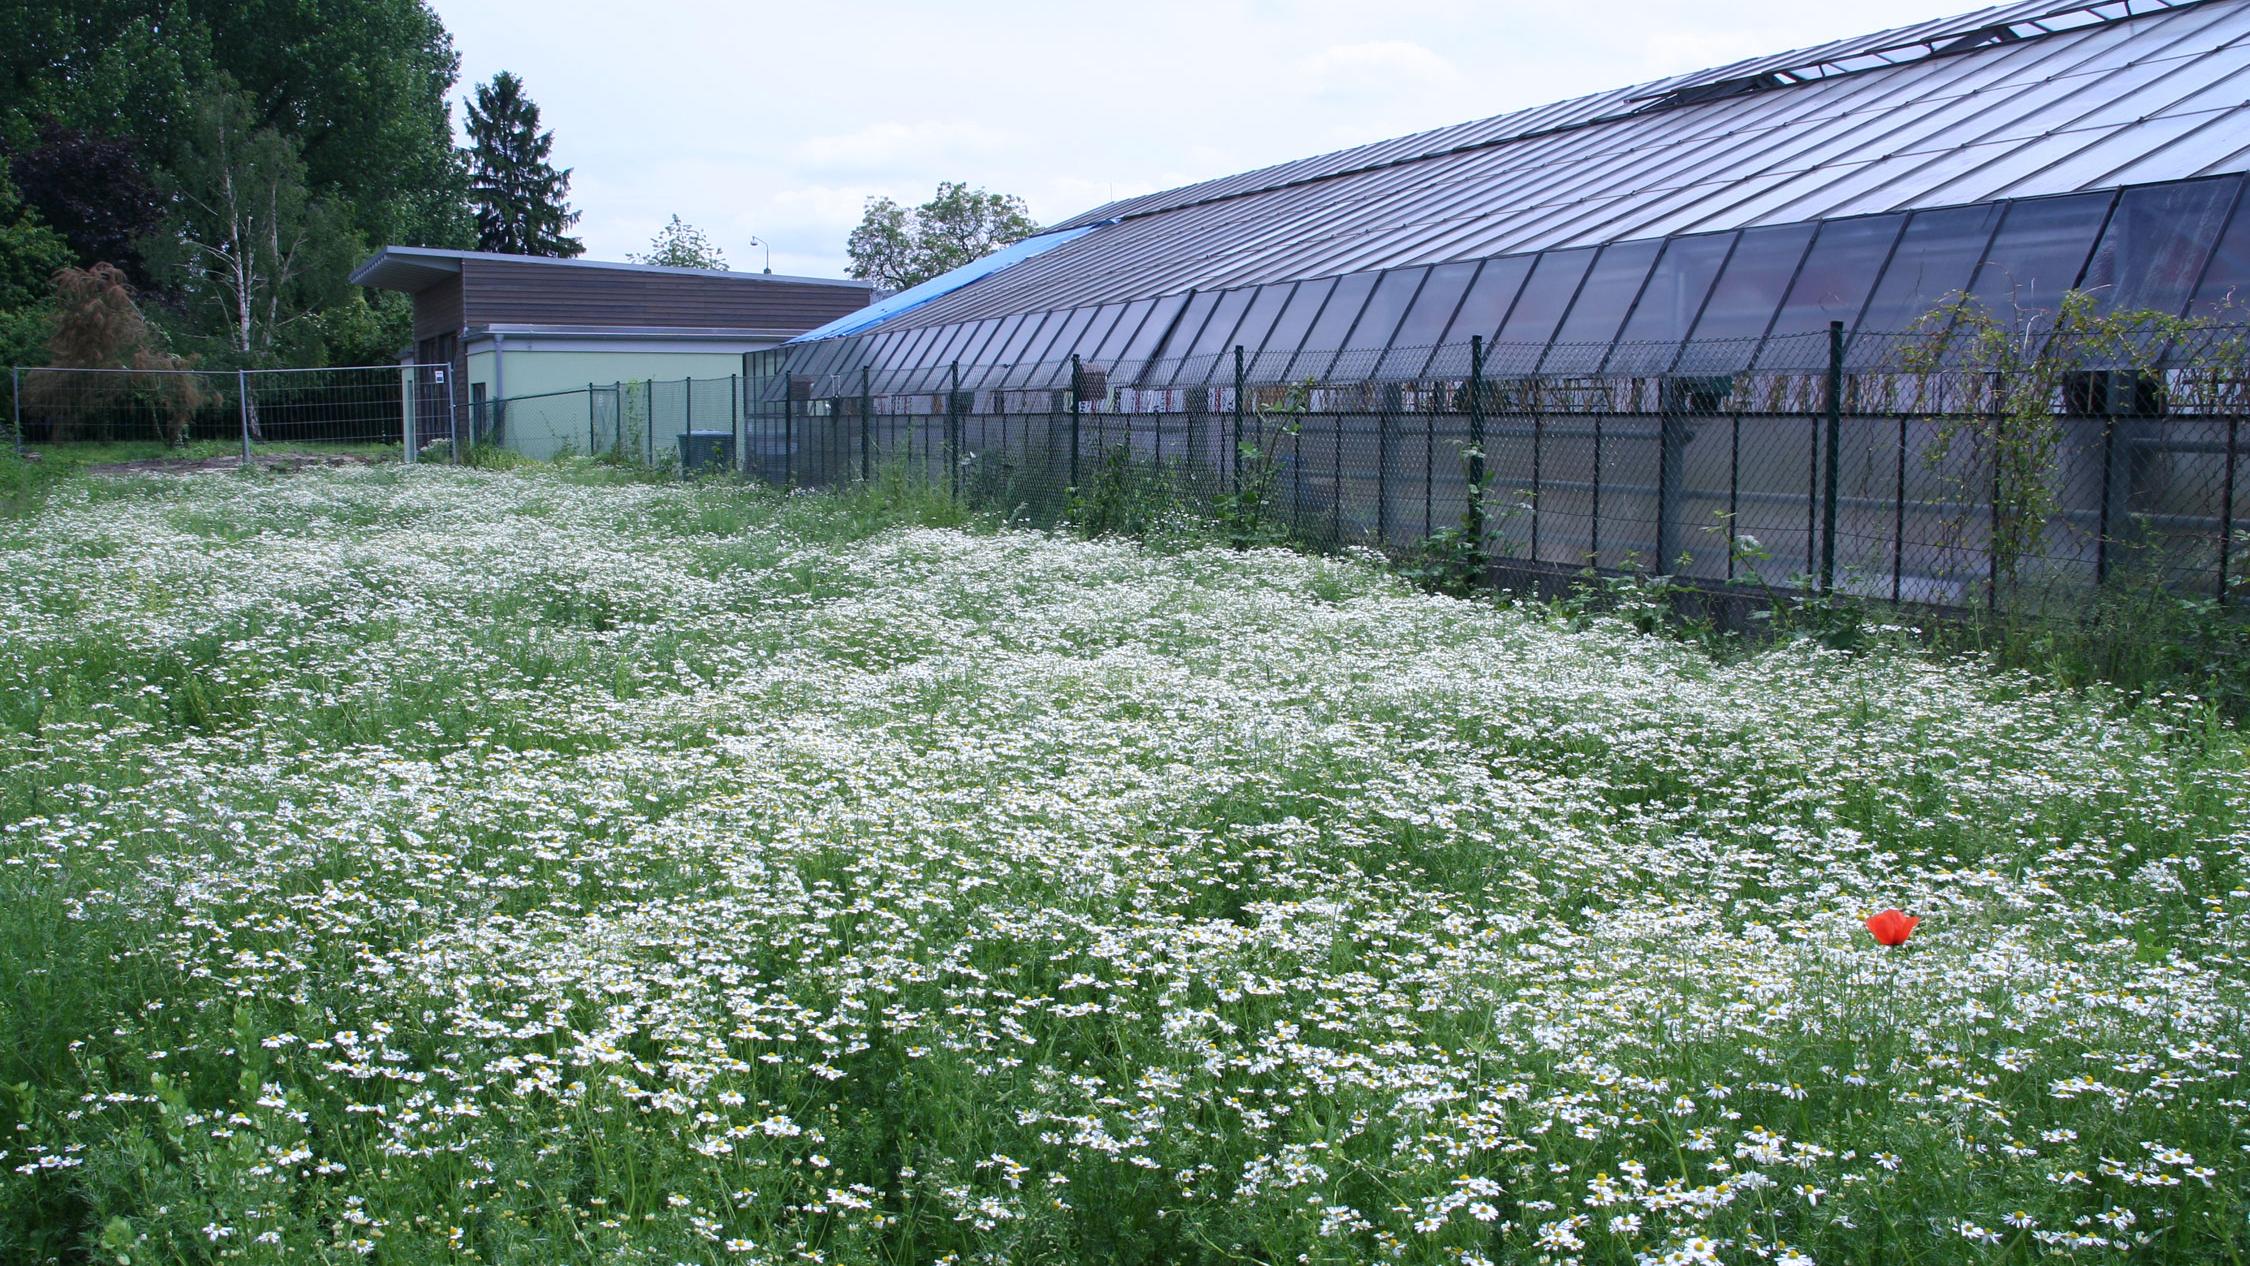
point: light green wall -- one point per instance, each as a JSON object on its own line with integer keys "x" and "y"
{"x": 547, "y": 412}
{"x": 532, "y": 371}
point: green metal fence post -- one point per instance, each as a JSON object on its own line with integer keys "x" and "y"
{"x": 593, "y": 441}
{"x": 1474, "y": 513}
{"x": 2226, "y": 509}
{"x": 953, "y": 428}
{"x": 1240, "y": 404}
{"x": 1835, "y": 440}
{"x": 1076, "y": 386}
{"x": 788, "y": 433}
{"x": 15, "y": 406}
{"x": 866, "y": 427}
{"x": 1389, "y": 400}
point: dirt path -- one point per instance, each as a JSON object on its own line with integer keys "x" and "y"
{"x": 184, "y": 465}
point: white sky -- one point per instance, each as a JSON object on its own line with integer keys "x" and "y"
{"x": 780, "y": 119}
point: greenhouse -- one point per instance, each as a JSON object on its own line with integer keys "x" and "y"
{"x": 1625, "y": 317}
{"x": 2012, "y": 154}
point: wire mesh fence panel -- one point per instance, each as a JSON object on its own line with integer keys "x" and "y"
{"x": 377, "y": 410}
{"x": 368, "y": 408}
{"x": 103, "y": 406}
{"x": 548, "y": 426}
{"x": 1945, "y": 484}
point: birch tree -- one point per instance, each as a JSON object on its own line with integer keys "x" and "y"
{"x": 259, "y": 253}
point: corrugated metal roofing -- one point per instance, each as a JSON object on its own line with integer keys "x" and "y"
{"x": 2017, "y": 101}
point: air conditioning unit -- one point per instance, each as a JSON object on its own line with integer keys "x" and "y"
{"x": 2113, "y": 393}
{"x": 1698, "y": 395}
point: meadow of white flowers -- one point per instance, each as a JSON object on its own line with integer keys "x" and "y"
{"x": 422, "y": 865}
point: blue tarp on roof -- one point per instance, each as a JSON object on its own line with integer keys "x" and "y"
{"x": 943, "y": 284}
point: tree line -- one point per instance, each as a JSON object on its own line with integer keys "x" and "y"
{"x": 190, "y": 182}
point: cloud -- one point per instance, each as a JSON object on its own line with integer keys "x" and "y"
{"x": 1380, "y": 68}
{"x": 892, "y": 145}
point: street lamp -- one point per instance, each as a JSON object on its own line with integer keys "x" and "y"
{"x": 762, "y": 244}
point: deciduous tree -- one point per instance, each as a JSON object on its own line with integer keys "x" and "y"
{"x": 259, "y": 252}
{"x": 681, "y": 245}
{"x": 897, "y": 247}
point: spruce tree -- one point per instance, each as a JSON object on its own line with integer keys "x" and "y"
{"x": 521, "y": 200}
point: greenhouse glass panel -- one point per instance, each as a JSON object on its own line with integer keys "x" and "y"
{"x": 1341, "y": 312}
{"x": 1163, "y": 317}
{"x": 1258, "y": 318}
{"x": 1936, "y": 256}
{"x": 989, "y": 358}
{"x": 2158, "y": 240}
{"x": 1539, "y": 309}
{"x": 1217, "y": 334}
{"x": 1480, "y": 313}
{"x": 1745, "y": 299}
{"x": 1486, "y": 305}
{"x": 972, "y": 348}
{"x": 1833, "y": 284}
{"x": 1065, "y": 337}
{"x": 1096, "y": 330}
{"x": 1289, "y": 328}
{"x": 1379, "y": 322}
{"x": 1128, "y": 324}
{"x": 2225, "y": 288}
{"x": 1335, "y": 321}
{"x": 1669, "y": 303}
{"x": 1427, "y": 315}
{"x": 1749, "y": 290}
{"x": 2039, "y": 252}
{"x": 1600, "y": 308}
{"x": 912, "y": 347}
{"x": 1032, "y": 336}
{"x": 1008, "y": 343}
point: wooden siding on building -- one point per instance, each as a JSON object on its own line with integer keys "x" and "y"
{"x": 437, "y": 310}
{"x": 501, "y": 292}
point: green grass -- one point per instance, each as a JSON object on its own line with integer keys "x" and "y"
{"x": 567, "y": 863}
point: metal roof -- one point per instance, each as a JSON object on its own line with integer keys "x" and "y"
{"x": 416, "y": 268}
{"x": 944, "y": 284}
{"x": 2018, "y": 101}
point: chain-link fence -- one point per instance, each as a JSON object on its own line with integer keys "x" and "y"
{"x": 1888, "y": 467}
{"x": 400, "y": 409}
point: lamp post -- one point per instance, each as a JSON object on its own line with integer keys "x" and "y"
{"x": 763, "y": 245}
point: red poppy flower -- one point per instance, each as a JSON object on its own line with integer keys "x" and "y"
{"x": 1892, "y": 927}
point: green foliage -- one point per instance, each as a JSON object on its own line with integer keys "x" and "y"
{"x": 366, "y": 327}
{"x": 1245, "y": 512}
{"x": 357, "y": 87}
{"x": 30, "y": 253}
{"x": 1130, "y": 498}
{"x": 96, "y": 193}
{"x": 896, "y": 247}
{"x": 256, "y": 251}
{"x": 2139, "y": 636}
{"x": 681, "y": 245}
{"x": 522, "y": 201}
{"x": 1994, "y": 383}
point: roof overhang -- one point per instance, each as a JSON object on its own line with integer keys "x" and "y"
{"x": 407, "y": 268}
{"x": 416, "y": 268}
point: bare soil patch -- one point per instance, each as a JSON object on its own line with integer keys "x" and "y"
{"x": 233, "y": 461}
